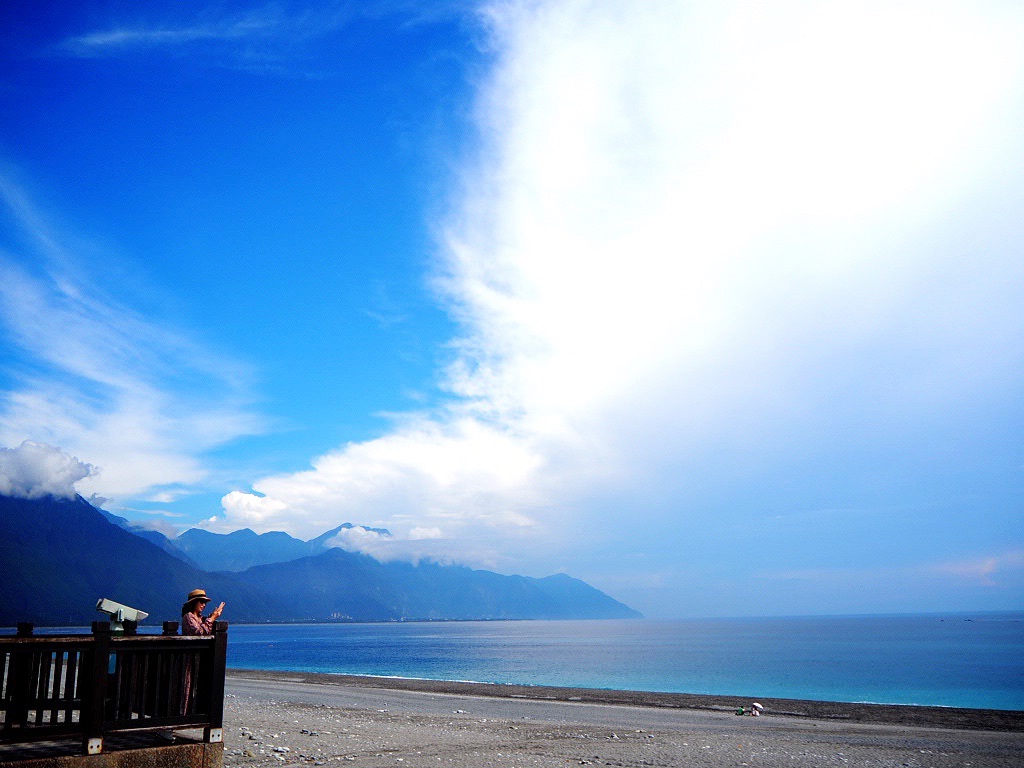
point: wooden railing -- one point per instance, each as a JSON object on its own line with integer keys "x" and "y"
{"x": 87, "y": 686}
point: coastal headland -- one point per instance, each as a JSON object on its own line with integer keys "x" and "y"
{"x": 324, "y": 719}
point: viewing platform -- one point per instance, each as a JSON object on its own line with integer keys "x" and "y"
{"x": 112, "y": 698}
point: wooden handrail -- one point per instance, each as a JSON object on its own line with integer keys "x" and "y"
{"x": 87, "y": 686}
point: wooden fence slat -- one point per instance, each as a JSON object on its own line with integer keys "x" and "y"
{"x": 56, "y": 686}
{"x": 71, "y": 686}
{"x": 5, "y": 665}
{"x": 5, "y": 688}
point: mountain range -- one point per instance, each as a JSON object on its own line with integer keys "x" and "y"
{"x": 245, "y": 548}
{"x": 59, "y": 555}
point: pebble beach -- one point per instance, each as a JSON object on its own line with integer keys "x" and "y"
{"x": 277, "y": 718}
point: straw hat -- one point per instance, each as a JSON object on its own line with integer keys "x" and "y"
{"x": 195, "y": 596}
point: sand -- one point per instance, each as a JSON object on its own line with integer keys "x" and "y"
{"x": 309, "y": 719}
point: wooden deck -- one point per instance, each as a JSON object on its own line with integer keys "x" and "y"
{"x": 90, "y": 686}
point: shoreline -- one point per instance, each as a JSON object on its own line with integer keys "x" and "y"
{"x": 835, "y": 712}
{"x": 298, "y": 718}
{"x": 315, "y": 719}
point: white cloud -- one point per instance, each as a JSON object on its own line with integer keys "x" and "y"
{"x": 165, "y": 496}
{"x": 681, "y": 218}
{"x": 358, "y": 539}
{"x": 247, "y": 509}
{"x": 265, "y": 26}
{"x": 95, "y": 42}
{"x": 463, "y": 474}
{"x": 272, "y": 37}
{"x": 665, "y": 193}
{"x": 90, "y": 374}
{"x": 980, "y": 570}
{"x": 33, "y": 470}
{"x": 420, "y": 544}
{"x": 984, "y": 581}
{"x": 987, "y": 570}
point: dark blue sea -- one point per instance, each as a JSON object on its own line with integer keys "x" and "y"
{"x": 974, "y": 661}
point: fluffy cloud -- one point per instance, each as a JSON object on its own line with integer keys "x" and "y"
{"x": 33, "y": 470}
{"x": 419, "y": 544}
{"x": 700, "y": 229}
{"x": 361, "y": 539}
{"x": 457, "y": 476}
{"x": 666, "y": 195}
{"x": 249, "y": 510}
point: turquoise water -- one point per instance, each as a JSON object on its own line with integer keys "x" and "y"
{"x": 960, "y": 661}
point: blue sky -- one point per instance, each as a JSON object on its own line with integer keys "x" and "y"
{"x": 715, "y": 305}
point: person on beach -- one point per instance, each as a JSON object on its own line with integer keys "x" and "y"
{"x": 194, "y": 623}
{"x": 192, "y": 620}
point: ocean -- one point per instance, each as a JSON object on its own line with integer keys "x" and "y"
{"x": 974, "y": 661}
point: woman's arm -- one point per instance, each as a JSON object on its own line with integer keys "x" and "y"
{"x": 195, "y": 625}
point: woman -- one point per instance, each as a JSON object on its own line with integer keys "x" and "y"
{"x": 192, "y": 620}
{"x": 194, "y": 623}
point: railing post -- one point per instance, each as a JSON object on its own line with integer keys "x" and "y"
{"x": 20, "y": 680}
{"x": 170, "y": 628}
{"x": 214, "y": 732}
{"x": 94, "y": 697}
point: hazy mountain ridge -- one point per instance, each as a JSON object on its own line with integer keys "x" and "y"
{"x": 245, "y": 548}
{"x": 427, "y": 591}
{"x": 239, "y": 550}
{"x": 155, "y": 537}
{"x": 58, "y": 556}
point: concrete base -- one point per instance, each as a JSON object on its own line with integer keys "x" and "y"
{"x": 191, "y": 755}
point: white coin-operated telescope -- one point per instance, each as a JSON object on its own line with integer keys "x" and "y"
{"x": 119, "y": 613}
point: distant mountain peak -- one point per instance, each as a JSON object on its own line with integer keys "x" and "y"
{"x": 239, "y": 550}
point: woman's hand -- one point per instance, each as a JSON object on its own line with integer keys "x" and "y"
{"x": 218, "y": 611}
